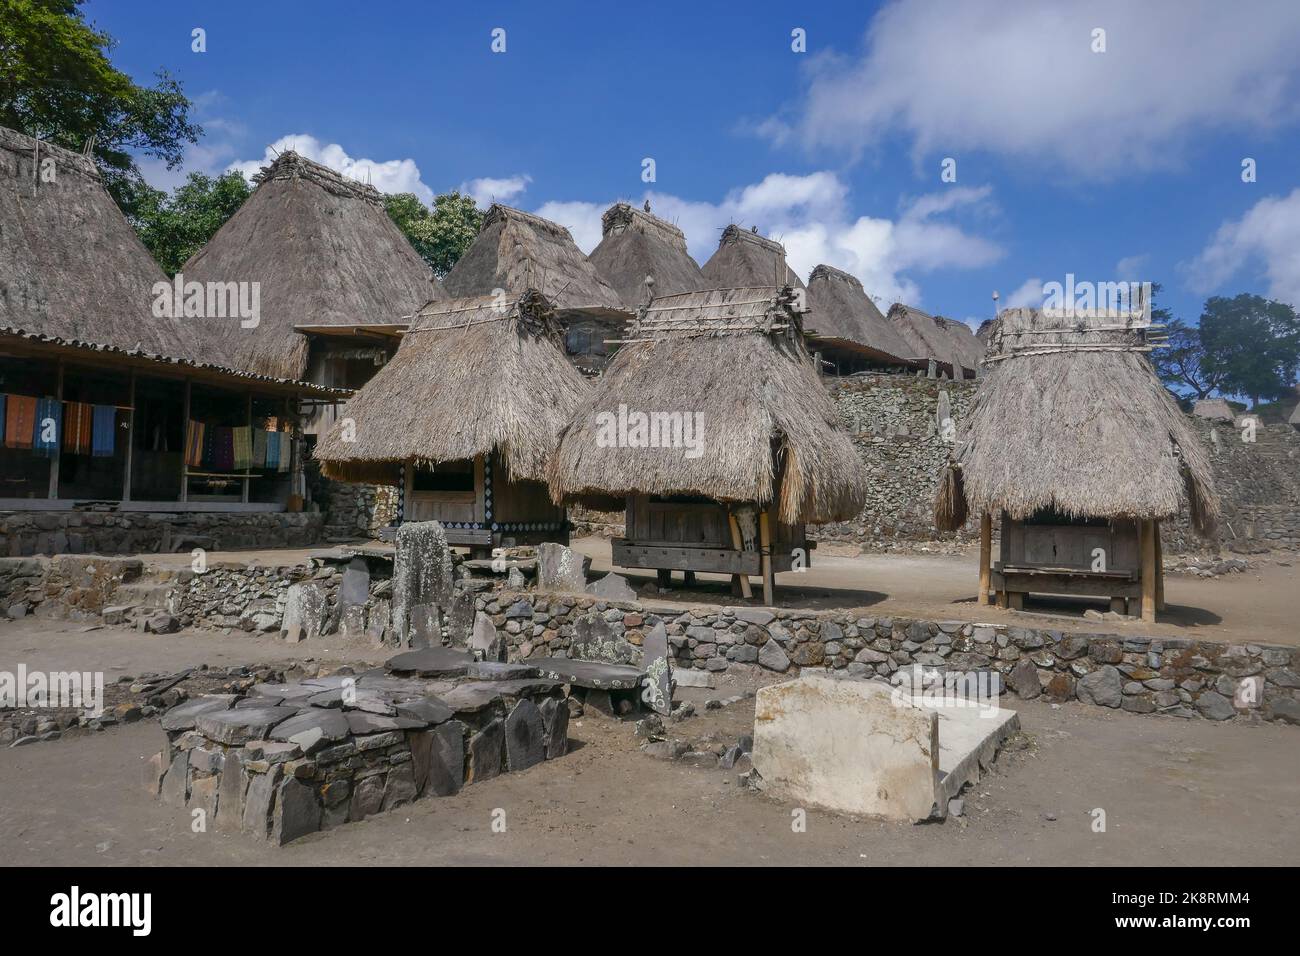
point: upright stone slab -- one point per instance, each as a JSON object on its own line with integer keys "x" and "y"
{"x": 561, "y": 569}
{"x": 230, "y": 796}
{"x": 612, "y": 587}
{"x": 422, "y": 573}
{"x": 297, "y": 812}
{"x": 594, "y": 640}
{"x": 446, "y": 759}
{"x": 258, "y": 801}
{"x": 657, "y": 691}
{"x": 525, "y": 737}
{"x": 305, "y": 612}
{"x": 485, "y": 643}
{"x": 354, "y": 590}
{"x": 460, "y": 618}
{"x": 486, "y": 752}
{"x": 555, "y": 721}
{"x": 424, "y": 626}
{"x": 367, "y": 797}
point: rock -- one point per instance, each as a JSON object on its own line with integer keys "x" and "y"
{"x": 428, "y": 710}
{"x": 161, "y": 623}
{"x": 258, "y": 801}
{"x": 1024, "y": 680}
{"x": 487, "y": 751}
{"x": 560, "y": 569}
{"x": 595, "y": 640}
{"x": 495, "y": 670}
{"x": 354, "y": 589}
{"x": 588, "y": 673}
{"x": 203, "y": 796}
{"x": 154, "y": 769}
{"x": 525, "y": 737}
{"x": 175, "y": 785}
{"x": 230, "y": 796}
{"x": 367, "y": 797}
{"x": 16, "y": 612}
{"x": 296, "y": 812}
{"x": 692, "y": 678}
{"x": 484, "y": 641}
{"x": 305, "y": 610}
{"x": 184, "y": 716}
{"x": 1283, "y": 709}
{"x": 239, "y": 725}
{"x": 771, "y": 656}
{"x": 1214, "y": 706}
{"x": 314, "y": 730}
{"x": 399, "y": 788}
{"x": 431, "y": 662}
{"x": 752, "y": 615}
{"x": 956, "y": 807}
{"x": 555, "y": 721}
{"x": 1104, "y": 687}
{"x": 657, "y": 691}
{"x": 447, "y": 759}
{"x": 422, "y": 574}
{"x": 612, "y": 587}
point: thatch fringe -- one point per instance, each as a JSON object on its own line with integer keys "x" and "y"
{"x": 472, "y": 376}
{"x": 950, "y": 500}
{"x": 1087, "y": 433}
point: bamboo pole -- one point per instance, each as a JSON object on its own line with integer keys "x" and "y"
{"x": 1148, "y": 571}
{"x": 765, "y": 546}
{"x": 1160, "y": 570}
{"x": 741, "y": 579}
{"x": 986, "y": 556}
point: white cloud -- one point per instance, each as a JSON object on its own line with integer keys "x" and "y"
{"x": 810, "y": 215}
{"x": 1019, "y": 77}
{"x": 388, "y": 176}
{"x": 219, "y": 144}
{"x": 1029, "y": 294}
{"x": 1129, "y": 269}
{"x": 487, "y": 190}
{"x": 1267, "y": 238}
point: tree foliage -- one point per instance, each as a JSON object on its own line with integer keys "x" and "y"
{"x": 57, "y": 84}
{"x": 441, "y": 234}
{"x": 1252, "y": 344}
{"x": 175, "y": 227}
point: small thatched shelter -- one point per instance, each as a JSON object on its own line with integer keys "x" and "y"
{"x": 713, "y": 425}
{"x": 464, "y": 419}
{"x": 517, "y": 250}
{"x": 635, "y": 245}
{"x": 744, "y": 259}
{"x": 328, "y": 260}
{"x": 1080, "y": 452}
{"x": 950, "y": 345}
{"x": 845, "y": 326}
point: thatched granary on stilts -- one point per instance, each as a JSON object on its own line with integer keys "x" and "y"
{"x": 847, "y": 330}
{"x": 517, "y": 250}
{"x": 712, "y": 424}
{"x": 338, "y": 281}
{"x": 1079, "y": 453}
{"x": 636, "y": 245}
{"x": 464, "y": 419}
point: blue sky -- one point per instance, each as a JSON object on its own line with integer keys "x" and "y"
{"x": 1115, "y": 164}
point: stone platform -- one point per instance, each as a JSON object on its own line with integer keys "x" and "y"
{"x": 291, "y": 759}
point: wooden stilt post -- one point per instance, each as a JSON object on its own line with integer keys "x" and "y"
{"x": 765, "y": 548}
{"x": 741, "y": 579}
{"x": 986, "y": 556}
{"x": 1148, "y": 570}
{"x": 1160, "y": 569}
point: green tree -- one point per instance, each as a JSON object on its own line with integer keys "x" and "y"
{"x": 1181, "y": 364}
{"x": 56, "y": 83}
{"x": 175, "y": 227}
{"x": 441, "y": 234}
{"x": 1253, "y": 344}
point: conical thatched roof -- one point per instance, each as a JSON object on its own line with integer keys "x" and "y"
{"x": 930, "y": 338}
{"x": 746, "y": 259}
{"x": 1070, "y": 416}
{"x": 735, "y": 358}
{"x": 839, "y": 308}
{"x": 966, "y": 342}
{"x": 517, "y": 250}
{"x": 636, "y": 244}
{"x": 71, "y": 266}
{"x": 324, "y": 252}
{"x": 471, "y": 375}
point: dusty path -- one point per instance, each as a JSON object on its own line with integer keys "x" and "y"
{"x": 1174, "y": 792}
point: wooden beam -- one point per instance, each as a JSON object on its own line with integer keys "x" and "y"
{"x": 58, "y": 436}
{"x": 986, "y": 556}
{"x": 1148, "y": 542}
{"x": 130, "y": 440}
{"x": 765, "y": 549}
{"x": 1160, "y": 570}
{"x": 185, "y": 430}
{"x": 741, "y": 579}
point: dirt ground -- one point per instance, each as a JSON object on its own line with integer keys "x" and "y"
{"x": 1260, "y": 605}
{"x": 1175, "y": 793}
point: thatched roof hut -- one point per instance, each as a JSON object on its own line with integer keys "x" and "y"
{"x": 735, "y": 359}
{"x": 1071, "y": 418}
{"x": 840, "y": 311}
{"x": 635, "y": 244}
{"x": 934, "y": 337}
{"x": 744, "y": 259}
{"x": 472, "y": 376}
{"x": 324, "y": 252}
{"x": 71, "y": 266}
{"x": 517, "y": 250}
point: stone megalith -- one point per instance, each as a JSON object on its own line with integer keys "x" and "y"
{"x": 422, "y": 574}
{"x": 561, "y": 569}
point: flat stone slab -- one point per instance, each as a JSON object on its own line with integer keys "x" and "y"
{"x": 362, "y": 723}
{"x": 494, "y": 670}
{"x": 239, "y": 725}
{"x": 315, "y": 726}
{"x": 185, "y": 716}
{"x": 588, "y": 673}
{"x": 470, "y": 698}
{"x": 430, "y": 709}
{"x": 431, "y": 662}
{"x": 866, "y": 747}
{"x": 525, "y": 737}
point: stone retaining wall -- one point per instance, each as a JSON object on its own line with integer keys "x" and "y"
{"x": 26, "y": 533}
